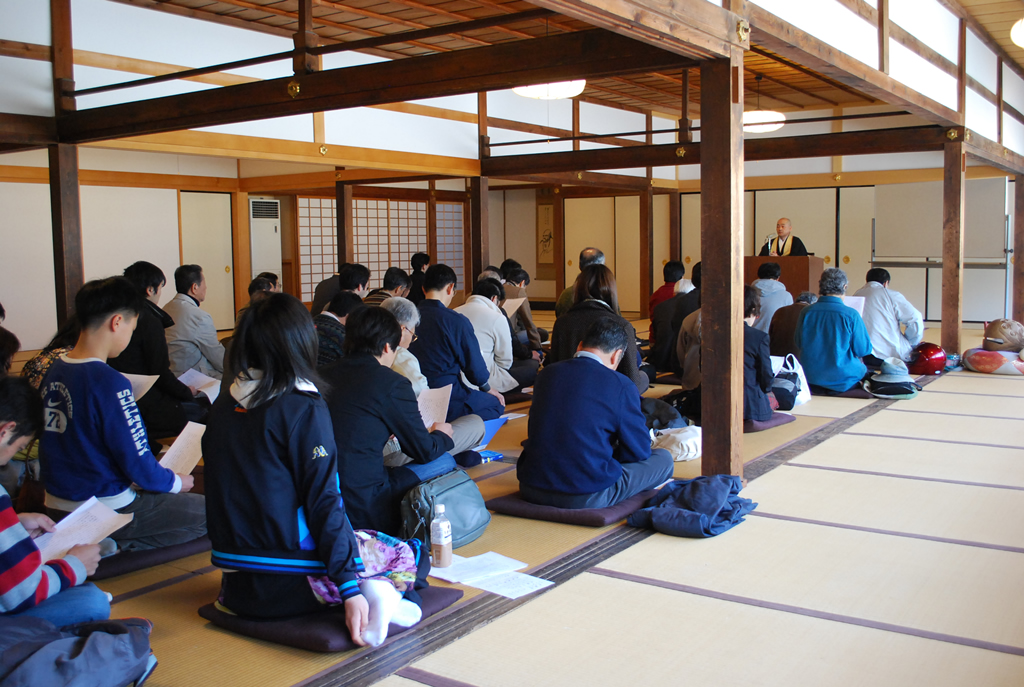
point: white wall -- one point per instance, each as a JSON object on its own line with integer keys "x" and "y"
{"x": 26, "y": 274}
{"x": 521, "y": 238}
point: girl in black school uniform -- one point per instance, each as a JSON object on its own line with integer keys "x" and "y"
{"x": 276, "y": 518}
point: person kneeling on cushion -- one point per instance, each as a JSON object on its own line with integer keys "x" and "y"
{"x": 588, "y": 443}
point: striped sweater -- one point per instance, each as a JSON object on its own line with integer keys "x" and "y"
{"x": 24, "y": 580}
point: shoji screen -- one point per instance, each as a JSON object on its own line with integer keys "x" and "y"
{"x": 318, "y": 243}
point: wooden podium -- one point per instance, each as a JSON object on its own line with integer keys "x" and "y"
{"x": 798, "y": 273}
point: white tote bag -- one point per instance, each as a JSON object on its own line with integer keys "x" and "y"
{"x": 789, "y": 363}
{"x": 683, "y": 443}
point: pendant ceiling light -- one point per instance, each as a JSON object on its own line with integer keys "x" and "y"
{"x": 762, "y": 121}
{"x": 561, "y": 90}
{"x": 1017, "y": 33}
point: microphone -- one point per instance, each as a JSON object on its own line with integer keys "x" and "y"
{"x": 768, "y": 239}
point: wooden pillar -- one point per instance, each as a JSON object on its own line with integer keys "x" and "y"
{"x": 721, "y": 231}
{"x": 999, "y": 100}
{"x": 343, "y": 211}
{"x": 241, "y": 247}
{"x": 1018, "y": 248}
{"x": 479, "y": 233}
{"x": 432, "y": 222}
{"x": 646, "y": 251}
{"x": 961, "y": 69}
{"x": 883, "y": 36}
{"x": 304, "y": 38}
{"x": 575, "y": 124}
{"x": 954, "y": 173}
{"x": 685, "y": 124}
{"x": 482, "y": 126}
{"x": 675, "y": 227}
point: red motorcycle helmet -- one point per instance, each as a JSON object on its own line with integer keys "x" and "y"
{"x": 927, "y": 359}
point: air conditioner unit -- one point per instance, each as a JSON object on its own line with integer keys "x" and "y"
{"x": 265, "y": 236}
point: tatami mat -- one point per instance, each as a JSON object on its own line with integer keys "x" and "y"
{"x": 968, "y": 430}
{"x": 599, "y": 631}
{"x": 831, "y": 406}
{"x": 890, "y": 503}
{"x": 965, "y": 404}
{"x": 756, "y": 444}
{"x": 917, "y": 458}
{"x": 974, "y": 383}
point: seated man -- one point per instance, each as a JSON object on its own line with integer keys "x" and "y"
{"x": 396, "y": 283}
{"x": 192, "y": 341}
{"x": 757, "y": 361}
{"x": 516, "y": 281}
{"x": 831, "y": 338}
{"x": 330, "y": 326}
{"x": 894, "y": 325}
{"x": 52, "y": 590}
{"x": 273, "y": 279}
{"x": 588, "y": 257}
{"x": 161, "y": 407}
{"x": 369, "y": 402}
{"x": 260, "y": 288}
{"x": 673, "y": 271}
{"x": 773, "y": 294}
{"x": 782, "y": 331}
{"x": 663, "y": 335}
{"x": 95, "y": 443}
{"x": 588, "y": 444}
{"x": 419, "y": 263}
{"x": 351, "y": 277}
{"x": 447, "y": 346}
{"x": 690, "y": 302}
{"x": 491, "y": 327}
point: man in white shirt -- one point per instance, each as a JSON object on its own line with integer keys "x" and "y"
{"x": 894, "y": 325}
{"x": 490, "y": 325}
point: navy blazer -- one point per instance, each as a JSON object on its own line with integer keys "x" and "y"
{"x": 757, "y": 375}
{"x": 585, "y": 422}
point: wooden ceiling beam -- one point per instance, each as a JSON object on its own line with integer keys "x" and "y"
{"x": 434, "y": 9}
{"x": 584, "y": 54}
{"x": 370, "y": 14}
{"x": 618, "y": 94}
{"x": 904, "y": 140}
{"x": 792, "y": 87}
{"x": 583, "y": 178}
{"x": 804, "y": 70}
{"x": 27, "y": 130}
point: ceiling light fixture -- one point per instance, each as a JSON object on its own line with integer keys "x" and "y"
{"x": 1017, "y": 33}
{"x": 561, "y": 90}
{"x": 762, "y": 121}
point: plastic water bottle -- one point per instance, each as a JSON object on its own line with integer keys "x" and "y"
{"x": 440, "y": 538}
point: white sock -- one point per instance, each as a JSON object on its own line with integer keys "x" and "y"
{"x": 383, "y": 599}
{"x": 407, "y": 614}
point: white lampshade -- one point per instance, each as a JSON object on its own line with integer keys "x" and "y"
{"x": 561, "y": 90}
{"x": 762, "y": 121}
{"x": 1017, "y": 33}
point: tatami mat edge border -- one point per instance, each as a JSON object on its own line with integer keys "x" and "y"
{"x": 941, "y": 441}
{"x": 161, "y": 584}
{"x": 430, "y": 679}
{"x": 810, "y": 612}
{"x": 919, "y": 478}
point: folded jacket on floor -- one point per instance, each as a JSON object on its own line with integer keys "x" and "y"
{"x": 701, "y": 507}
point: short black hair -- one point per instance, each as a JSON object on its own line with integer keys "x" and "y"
{"x": 9, "y": 345}
{"x": 769, "y": 270}
{"x": 877, "y": 274}
{"x": 439, "y": 276}
{"x": 607, "y": 335}
{"x": 3, "y": 313}
{"x": 695, "y": 275}
{"x": 353, "y": 275}
{"x": 751, "y": 300}
{"x": 673, "y": 271}
{"x": 145, "y": 276}
{"x": 344, "y": 303}
{"x": 489, "y": 288}
{"x": 21, "y": 404}
{"x": 507, "y": 266}
{"x": 517, "y": 276}
{"x": 419, "y": 260}
{"x": 187, "y": 275}
{"x": 260, "y": 284}
{"x": 395, "y": 278}
{"x": 369, "y": 329}
{"x": 101, "y": 298}
{"x": 269, "y": 276}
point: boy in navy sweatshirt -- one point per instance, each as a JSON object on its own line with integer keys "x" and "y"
{"x": 94, "y": 441}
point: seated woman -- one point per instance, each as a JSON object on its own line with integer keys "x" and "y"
{"x": 594, "y": 297}
{"x": 757, "y": 361}
{"x": 369, "y": 402}
{"x": 278, "y": 525}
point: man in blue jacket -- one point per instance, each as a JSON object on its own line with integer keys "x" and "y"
{"x": 588, "y": 443}
{"x": 446, "y": 345}
{"x": 831, "y": 338}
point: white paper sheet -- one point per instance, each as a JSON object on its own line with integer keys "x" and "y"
{"x": 205, "y": 384}
{"x": 89, "y": 524}
{"x": 186, "y": 451}
{"x": 855, "y": 302}
{"x": 140, "y": 384}
{"x": 470, "y": 570}
{"x": 511, "y": 305}
{"x": 512, "y": 585}
{"x": 513, "y": 416}
{"x": 434, "y": 405}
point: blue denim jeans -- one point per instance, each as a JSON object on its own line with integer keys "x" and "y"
{"x": 80, "y": 604}
{"x": 435, "y": 468}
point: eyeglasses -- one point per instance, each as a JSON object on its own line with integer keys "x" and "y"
{"x": 411, "y": 333}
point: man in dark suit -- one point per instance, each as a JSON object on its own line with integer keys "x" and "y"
{"x": 369, "y": 402}
{"x": 588, "y": 443}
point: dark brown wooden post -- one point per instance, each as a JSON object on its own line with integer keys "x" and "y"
{"x": 65, "y": 202}
{"x": 305, "y": 37}
{"x": 575, "y": 124}
{"x": 675, "y": 227}
{"x": 343, "y": 211}
{"x": 685, "y": 134}
{"x": 721, "y": 231}
{"x": 478, "y": 229}
{"x": 646, "y": 251}
{"x": 954, "y": 171}
{"x": 482, "y": 126}
{"x": 432, "y": 222}
{"x": 1018, "y": 248}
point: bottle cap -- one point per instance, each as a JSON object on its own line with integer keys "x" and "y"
{"x": 439, "y": 508}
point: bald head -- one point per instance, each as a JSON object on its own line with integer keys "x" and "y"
{"x": 783, "y": 228}
{"x": 591, "y": 256}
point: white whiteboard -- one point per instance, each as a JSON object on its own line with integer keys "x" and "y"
{"x": 908, "y": 219}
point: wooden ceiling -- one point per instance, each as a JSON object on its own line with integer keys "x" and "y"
{"x": 784, "y": 86}
{"x": 997, "y": 17}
